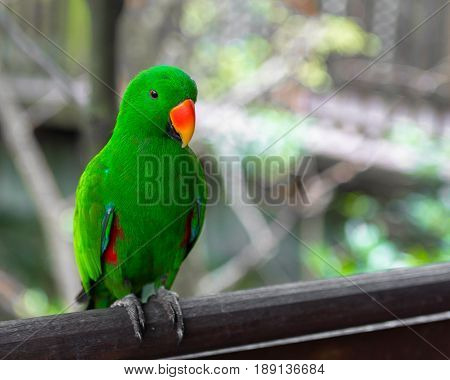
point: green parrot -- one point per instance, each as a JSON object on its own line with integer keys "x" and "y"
{"x": 140, "y": 203}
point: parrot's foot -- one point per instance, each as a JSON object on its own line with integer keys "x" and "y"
{"x": 169, "y": 300}
{"x": 134, "y": 309}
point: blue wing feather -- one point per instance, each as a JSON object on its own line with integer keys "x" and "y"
{"x": 106, "y": 226}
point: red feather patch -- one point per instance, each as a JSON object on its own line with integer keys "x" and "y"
{"x": 110, "y": 255}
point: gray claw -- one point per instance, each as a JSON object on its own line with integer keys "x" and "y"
{"x": 170, "y": 303}
{"x": 134, "y": 309}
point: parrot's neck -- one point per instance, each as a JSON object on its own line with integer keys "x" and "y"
{"x": 129, "y": 124}
{"x": 136, "y": 134}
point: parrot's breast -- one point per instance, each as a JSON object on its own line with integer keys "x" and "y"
{"x": 152, "y": 228}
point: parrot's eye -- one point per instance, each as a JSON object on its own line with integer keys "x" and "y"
{"x": 153, "y": 94}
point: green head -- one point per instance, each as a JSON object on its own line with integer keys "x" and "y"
{"x": 159, "y": 102}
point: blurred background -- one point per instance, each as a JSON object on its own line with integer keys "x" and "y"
{"x": 376, "y": 132}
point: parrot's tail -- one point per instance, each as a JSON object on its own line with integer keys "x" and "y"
{"x": 83, "y": 298}
{"x": 97, "y": 298}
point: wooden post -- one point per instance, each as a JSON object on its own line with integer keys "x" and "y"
{"x": 238, "y": 318}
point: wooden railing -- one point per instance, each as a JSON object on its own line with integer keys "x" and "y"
{"x": 399, "y": 313}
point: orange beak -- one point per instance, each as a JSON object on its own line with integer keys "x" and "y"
{"x": 183, "y": 120}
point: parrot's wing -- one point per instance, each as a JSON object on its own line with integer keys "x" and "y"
{"x": 92, "y": 223}
{"x": 197, "y": 215}
{"x": 196, "y": 224}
